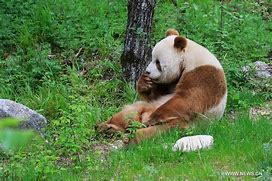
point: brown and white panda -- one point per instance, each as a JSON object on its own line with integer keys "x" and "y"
{"x": 183, "y": 81}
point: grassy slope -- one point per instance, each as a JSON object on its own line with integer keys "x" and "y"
{"x": 74, "y": 100}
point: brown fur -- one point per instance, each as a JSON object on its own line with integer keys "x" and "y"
{"x": 145, "y": 133}
{"x": 171, "y": 32}
{"x": 180, "y": 42}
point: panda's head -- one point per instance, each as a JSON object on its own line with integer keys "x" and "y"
{"x": 167, "y": 58}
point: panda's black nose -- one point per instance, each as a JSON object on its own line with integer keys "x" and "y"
{"x": 147, "y": 73}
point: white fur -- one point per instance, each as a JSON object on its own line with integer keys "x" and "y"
{"x": 193, "y": 143}
{"x": 217, "y": 111}
{"x": 172, "y": 59}
{"x": 196, "y": 55}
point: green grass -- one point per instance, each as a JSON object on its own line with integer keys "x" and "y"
{"x": 233, "y": 151}
{"x": 38, "y": 67}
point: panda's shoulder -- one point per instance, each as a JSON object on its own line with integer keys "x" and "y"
{"x": 197, "y": 55}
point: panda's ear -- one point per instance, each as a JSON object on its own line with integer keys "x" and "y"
{"x": 180, "y": 42}
{"x": 171, "y": 32}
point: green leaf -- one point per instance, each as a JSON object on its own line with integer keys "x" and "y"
{"x": 11, "y": 139}
{"x": 9, "y": 122}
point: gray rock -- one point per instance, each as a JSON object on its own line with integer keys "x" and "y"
{"x": 263, "y": 70}
{"x": 30, "y": 118}
{"x": 260, "y": 69}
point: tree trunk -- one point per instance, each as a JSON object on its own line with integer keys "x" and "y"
{"x": 137, "y": 49}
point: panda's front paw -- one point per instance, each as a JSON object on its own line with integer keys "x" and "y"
{"x": 145, "y": 84}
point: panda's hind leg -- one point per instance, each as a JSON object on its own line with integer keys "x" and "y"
{"x": 138, "y": 111}
{"x": 151, "y": 131}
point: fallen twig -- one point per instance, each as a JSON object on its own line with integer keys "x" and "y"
{"x": 79, "y": 52}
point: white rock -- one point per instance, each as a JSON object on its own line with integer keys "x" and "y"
{"x": 193, "y": 143}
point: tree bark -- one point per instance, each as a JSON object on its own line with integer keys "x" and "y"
{"x": 137, "y": 49}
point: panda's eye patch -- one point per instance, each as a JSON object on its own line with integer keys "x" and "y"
{"x": 158, "y": 65}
